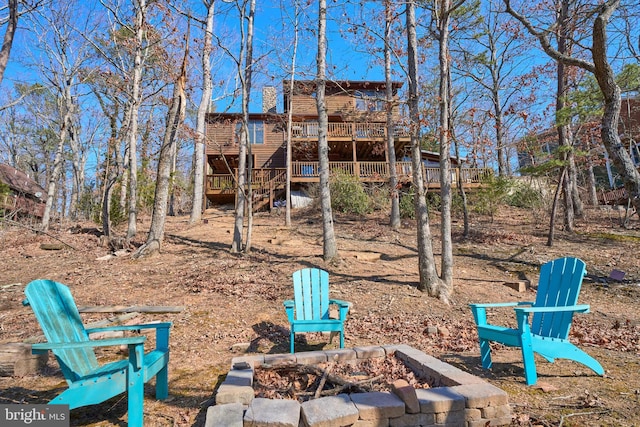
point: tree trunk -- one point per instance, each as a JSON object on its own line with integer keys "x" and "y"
{"x": 612, "y": 102}
{"x": 429, "y": 280}
{"x": 244, "y": 73}
{"x": 65, "y": 114}
{"x": 197, "y": 201}
{"x": 554, "y": 207}
{"x": 133, "y": 122}
{"x": 445, "y": 287}
{"x": 249, "y": 71}
{"x": 175, "y": 116}
{"x": 591, "y": 179}
{"x": 292, "y": 78}
{"x": 563, "y": 125}
{"x": 394, "y": 217}
{"x": 10, "y": 31}
{"x": 330, "y": 247}
{"x": 78, "y": 161}
{"x": 503, "y": 157}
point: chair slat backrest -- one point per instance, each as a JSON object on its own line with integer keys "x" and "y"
{"x": 58, "y": 316}
{"x": 558, "y": 286}
{"x": 311, "y": 294}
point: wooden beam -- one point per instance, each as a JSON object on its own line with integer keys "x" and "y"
{"x": 131, "y": 309}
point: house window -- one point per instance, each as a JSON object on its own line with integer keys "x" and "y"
{"x": 256, "y": 131}
{"x": 369, "y": 100}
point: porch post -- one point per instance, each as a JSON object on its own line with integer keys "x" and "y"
{"x": 354, "y": 156}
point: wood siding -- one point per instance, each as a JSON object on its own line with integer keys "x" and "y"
{"x": 222, "y": 140}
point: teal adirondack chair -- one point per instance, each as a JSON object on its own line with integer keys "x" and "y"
{"x": 91, "y": 383}
{"x": 309, "y": 311}
{"x": 543, "y": 325}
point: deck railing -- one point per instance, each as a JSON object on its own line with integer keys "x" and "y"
{"x": 302, "y": 130}
{"x": 366, "y": 171}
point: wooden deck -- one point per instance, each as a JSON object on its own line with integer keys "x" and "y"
{"x": 308, "y": 172}
{"x": 348, "y": 131}
{"x": 617, "y": 196}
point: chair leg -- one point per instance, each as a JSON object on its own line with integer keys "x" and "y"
{"x": 135, "y": 387}
{"x": 162, "y": 383}
{"x": 293, "y": 335}
{"x": 485, "y": 354}
{"x": 530, "y": 374}
{"x": 342, "y": 338}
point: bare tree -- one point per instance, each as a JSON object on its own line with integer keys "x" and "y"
{"x": 565, "y": 134}
{"x": 245, "y": 67}
{"x": 394, "y": 216}
{"x": 175, "y": 117}
{"x": 443, "y": 9}
{"x": 66, "y": 53}
{"x": 9, "y": 33}
{"x": 490, "y": 54}
{"x": 429, "y": 280}
{"x": 207, "y": 89}
{"x": 292, "y": 78}
{"x": 330, "y": 247}
{"x": 599, "y": 16}
{"x": 133, "y": 110}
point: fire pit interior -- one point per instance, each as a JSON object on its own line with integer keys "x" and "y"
{"x": 391, "y": 385}
{"x": 304, "y": 382}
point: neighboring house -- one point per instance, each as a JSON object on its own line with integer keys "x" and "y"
{"x": 537, "y": 149}
{"x": 356, "y": 137}
{"x": 25, "y": 195}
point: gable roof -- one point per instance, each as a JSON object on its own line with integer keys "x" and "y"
{"x": 19, "y": 181}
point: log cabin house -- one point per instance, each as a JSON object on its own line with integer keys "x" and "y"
{"x": 25, "y": 196}
{"x": 356, "y": 136}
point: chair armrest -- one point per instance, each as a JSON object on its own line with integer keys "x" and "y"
{"x": 89, "y": 344}
{"x": 162, "y": 331}
{"x": 583, "y": 308}
{"x": 340, "y": 303}
{"x": 288, "y": 306}
{"x": 343, "y": 307}
{"x": 480, "y": 310}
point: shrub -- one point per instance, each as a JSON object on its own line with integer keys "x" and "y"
{"x": 407, "y": 206}
{"x": 348, "y": 194}
{"x": 523, "y": 195}
{"x": 491, "y": 195}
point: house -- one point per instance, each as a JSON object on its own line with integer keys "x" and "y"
{"x": 537, "y": 149}
{"x": 25, "y": 196}
{"x": 357, "y": 139}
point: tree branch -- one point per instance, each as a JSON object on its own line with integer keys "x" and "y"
{"x": 543, "y": 38}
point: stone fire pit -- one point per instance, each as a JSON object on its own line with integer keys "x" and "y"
{"x": 457, "y": 398}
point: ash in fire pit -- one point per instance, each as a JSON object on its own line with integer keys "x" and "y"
{"x": 291, "y": 390}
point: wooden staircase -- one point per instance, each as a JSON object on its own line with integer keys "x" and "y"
{"x": 266, "y": 185}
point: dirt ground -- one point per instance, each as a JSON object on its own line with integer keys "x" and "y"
{"x": 233, "y": 299}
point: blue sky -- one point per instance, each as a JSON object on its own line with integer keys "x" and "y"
{"x": 346, "y": 61}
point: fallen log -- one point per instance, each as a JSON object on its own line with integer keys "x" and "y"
{"x": 17, "y": 360}
{"x": 130, "y": 309}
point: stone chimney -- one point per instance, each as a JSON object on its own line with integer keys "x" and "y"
{"x": 269, "y": 99}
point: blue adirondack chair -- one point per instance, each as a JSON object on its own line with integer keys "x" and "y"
{"x": 543, "y": 325}
{"x": 309, "y": 311}
{"x": 90, "y": 383}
